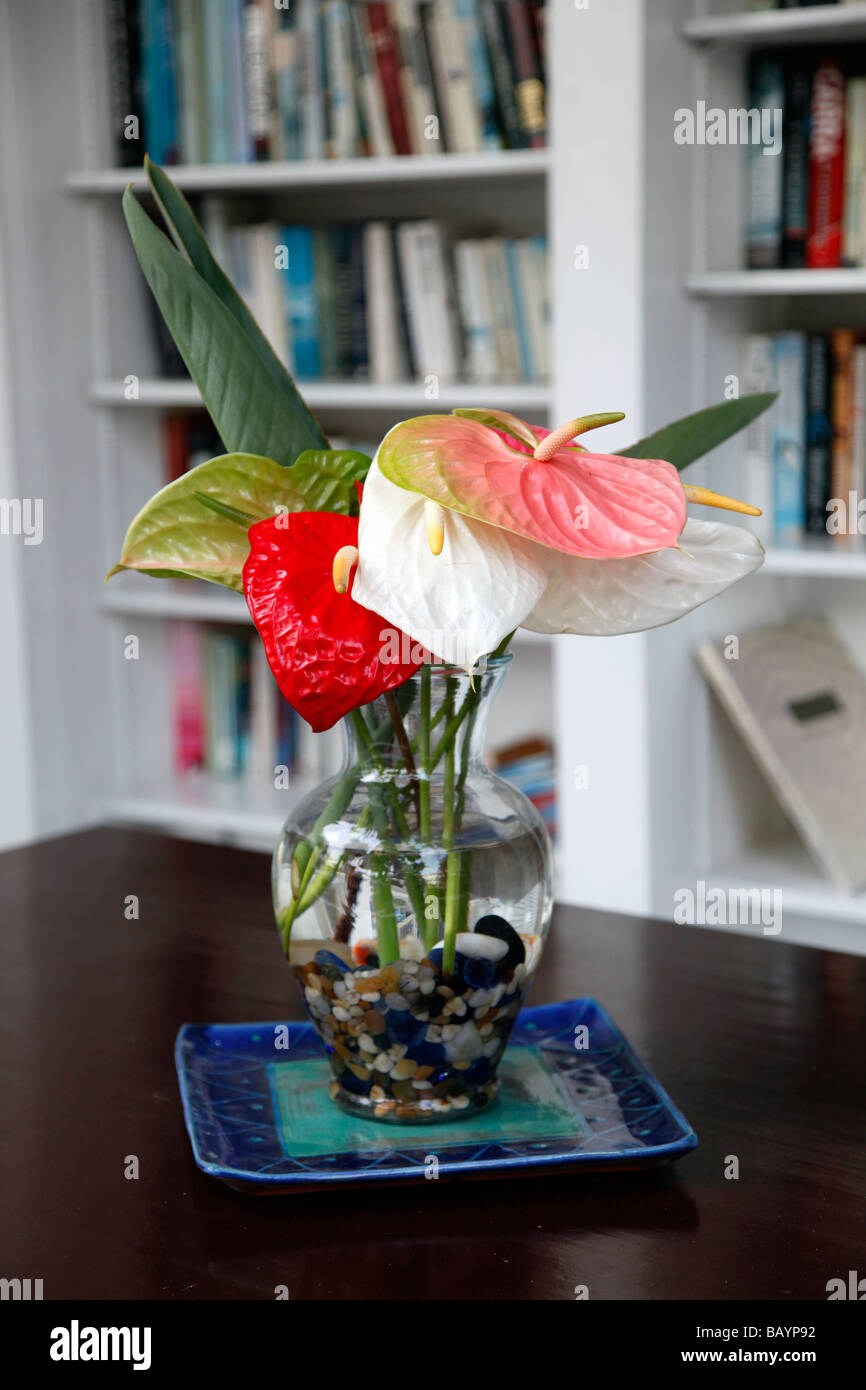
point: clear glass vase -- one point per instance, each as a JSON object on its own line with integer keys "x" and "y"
{"x": 413, "y": 891}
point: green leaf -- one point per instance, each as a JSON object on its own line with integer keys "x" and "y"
{"x": 327, "y": 477}
{"x": 695, "y": 435}
{"x": 180, "y": 532}
{"x": 251, "y": 411}
{"x": 192, "y": 243}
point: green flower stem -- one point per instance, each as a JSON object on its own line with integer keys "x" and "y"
{"x": 424, "y": 755}
{"x": 452, "y": 870}
{"x": 383, "y": 900}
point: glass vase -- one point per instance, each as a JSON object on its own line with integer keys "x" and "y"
{"x": 413, "y": 892}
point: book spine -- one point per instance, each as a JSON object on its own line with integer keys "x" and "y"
{"x": 402, "y": 305}
{"x": 764, "y": 172}
{"x": 323, "y": 262}
{"x": 789, "y": 437}
{"x": 480, "y": 363}
{"x": 505, "y": 333}
{"x": 854, "y": 234}
{"x": 383, "y": 335}
{"x": 529, "y": 87}
{"x": 312, "y": 104}
{"x": 503, "y": 78}
{"x": 259, "y": 33}
{"x": 289, "y": 138}
{"x": 160, "y": 81}
{"x": 758, "y": 375}
{"x": 527, "y": 366}
{"x": 469, "y": 19}
{"x": 858, "y": 421}
{"x": 383, "y": 44}
{"x": 370, "y": 92}
{"x": 795, "y": 165}
{"x": 175, "y": 446}
{"x": 301, "y": 303}
{"x": 341, "y": 91}
{"x": 214, "y": 83}
{"x": 124, "y": 78}
{"x": 842, "y": 466}
{"x": 826, "y": 167}
{"x": 240, "y": 140}
{"x": 416, "y": 78}
{"x": 357, "y": 305}
{"x": 450, "y": 57}
{"x": 189, "y": 712}
{"x": 819, "y": 434}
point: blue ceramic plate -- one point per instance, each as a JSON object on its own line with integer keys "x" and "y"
{"x": 255, "y": 1100}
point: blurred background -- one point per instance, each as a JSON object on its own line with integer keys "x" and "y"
{"x": 553, "y": 209}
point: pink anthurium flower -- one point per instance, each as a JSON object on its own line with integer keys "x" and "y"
{"x": 470, "y": 527}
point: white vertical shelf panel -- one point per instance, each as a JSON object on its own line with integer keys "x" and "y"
{"x": 597, "y": 88}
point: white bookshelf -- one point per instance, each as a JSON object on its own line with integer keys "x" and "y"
{"x": 652, "y": 327}
{"x": 346, "y": 398}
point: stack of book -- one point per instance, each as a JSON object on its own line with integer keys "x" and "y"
{"x": 529, "y": 766}
{"x": 806, "y": 458}
{"x": 229, "y": 717}
{"x": 227, "y": 81}
{"x": 389, "y": 303}
{"x": 806, "y": 198}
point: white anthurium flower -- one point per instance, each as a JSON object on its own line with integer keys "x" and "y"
{"x": 460, "y": 603}
{"x": 605, "y": 598}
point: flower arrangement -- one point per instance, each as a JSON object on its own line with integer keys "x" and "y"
{"x": 385, "y": 591}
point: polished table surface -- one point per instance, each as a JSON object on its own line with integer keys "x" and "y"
{"x": 761, "y": 1044}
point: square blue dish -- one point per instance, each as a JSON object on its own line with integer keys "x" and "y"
{"x": 256, "y": 1105}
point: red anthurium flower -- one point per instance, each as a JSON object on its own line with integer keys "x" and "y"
{"x": 328, "y": 654}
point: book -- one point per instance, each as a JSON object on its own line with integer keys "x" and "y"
{"x": 416, "y": 79}
{"x": 503, "y": 77}
{"x": 854, "y": 228}
{"x": 504, "y": 327}
{"x": 216, "y": 82}
{"x": 449, "y": 56}
{"x": 764, "y": 172}
{"x": 159, "y": 81}
{"x": 259, "y": 30}
{"x": 385, "y": 345}
{"x": 518, "y": 301}
{"x": 383, "y": 43}
{"x": 758, "y": 375}
{"x": 342, "y": 109}
{"x": 311, "y": 67}
{"x": 288, "y": 137}
{"x": 826, "y": 166}
{"x": 528, "y": 84}
{"x": 468, "y": 17}
{"x": 299, "y": 282}
{"x": 798, "y": 701}
{"x": 124, "y": 69}
{"x": 795, "y": 163}
{"x": 357, "y": 364}
{"x": 429, "y": 300}
{"x": 819, "y": 433}
{"x": 858, "y": 423}
{"x": 187, "y": 698}
{"x": 371, "y": 99}
{"x": 324, "y": 273}
{"x": 842, "y": 465}
{"x": 480, "y": 362}
{"x": 789, "y": 436}
{"x": 534, "y": 270}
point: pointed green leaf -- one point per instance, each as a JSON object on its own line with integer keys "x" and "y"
{"x": 177, "y": 533}
{"x": 695, "y": 435}
{"x": 326, "y": 478}
{"x": 192, "y": 243}
{"x": 251, "y": 412}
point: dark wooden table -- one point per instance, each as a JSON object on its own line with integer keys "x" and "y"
{"x": 762, "y": 1045}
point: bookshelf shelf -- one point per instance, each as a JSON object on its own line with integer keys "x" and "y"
{"x": 435, "y": 171}
{"x": 214, "y": 606}
{"x": 714, "y": 284}
{"x": 785, "y": 864}
{"x": 834, "y": 558}
{"x": 812, "y": 24}
{"x": 206, "y": 807}
{"x": 343, "y": 397}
